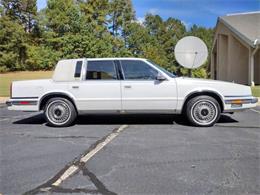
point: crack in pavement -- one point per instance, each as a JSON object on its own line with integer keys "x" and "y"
{"x": 50, "y": 136}
{"x": 65, "y": 137}
{"x": 101, "y": 188}
{"x": 78, "y": 164}
{"x": 191, "y": 161}
{"x": 233, "y": 126}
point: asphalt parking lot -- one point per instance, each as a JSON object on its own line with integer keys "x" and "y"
{"x": 153, "y": 154}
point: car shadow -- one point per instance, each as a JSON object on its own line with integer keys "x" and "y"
{"x": 226, "y": 119}
{"x": 140, "y": 119}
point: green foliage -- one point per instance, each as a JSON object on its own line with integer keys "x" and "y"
{"x": 41, "y": 58}
{"x": 63, "y": 16}
{"x": 13, "y": 45}
{"x": 36, "y": 40}
{"x": 121, "y": 15}
{"x": 207, "y": 36}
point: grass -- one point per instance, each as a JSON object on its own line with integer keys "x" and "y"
{"x": 256, "y": 91}
{"x": 7, "y": 78}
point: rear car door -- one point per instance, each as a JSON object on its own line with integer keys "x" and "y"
{"x": 141, "y": 92}
{"x": 99, "y": 87}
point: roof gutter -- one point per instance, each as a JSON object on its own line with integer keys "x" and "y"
{"x": 256, "y": 42}
{"x": 256, "y": 45}
{"x": 240, "y": 35}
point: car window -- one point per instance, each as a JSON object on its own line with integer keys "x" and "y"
{"x": 170, "y": 74}
{"x": 101, "y": 70}
{"x": 138, "y": 70}
{"x": 78, "y": 69}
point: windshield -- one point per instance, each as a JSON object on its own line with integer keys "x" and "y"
{"x": 162, "y": 69}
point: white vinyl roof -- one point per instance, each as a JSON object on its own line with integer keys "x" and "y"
{"x": 65, "y": 69}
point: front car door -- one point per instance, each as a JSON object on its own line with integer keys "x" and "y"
{"x": 99, "y": 88}
{"x": 142, "y": 92}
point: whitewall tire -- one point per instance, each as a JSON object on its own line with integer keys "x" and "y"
{"x": 202, "y": 111}
{"x": 60, "y": 112}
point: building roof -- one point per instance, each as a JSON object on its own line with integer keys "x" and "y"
{"x": 244, "y": 25}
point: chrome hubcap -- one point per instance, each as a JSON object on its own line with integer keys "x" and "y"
{"x": 58, "y": 112}
{"x": 204, "y": 112}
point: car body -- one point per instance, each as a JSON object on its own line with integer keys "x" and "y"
{"x": 126, "y": 85}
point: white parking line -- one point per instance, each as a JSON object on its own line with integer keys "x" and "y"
{"x": 73, "y": 168}
{"x": 257, "y": 111}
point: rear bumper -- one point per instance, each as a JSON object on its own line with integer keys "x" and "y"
{"x": 238, "y": 103}
{"x": 22, "y": 104}
{"x": 8, "y": 103}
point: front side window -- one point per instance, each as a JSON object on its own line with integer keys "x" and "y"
{"x": 138, "y": 70}
{"x": 172, "y": 75}
{"x": 101, "y": 70}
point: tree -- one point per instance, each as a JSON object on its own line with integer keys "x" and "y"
{"x": 13, "y": 45}
{"x": 28, "y": 10}
{"x": 154, "y": 24}
{"x": 207, "y": 35}
{"x": 173, "y": 30}
{"x": 63, "y": 16}
{"x": 16, "y": 25}
{"x": 121, "y": 16}
{"x": 95, "y": 15}
{"x": 167, "y": 33}
{"x": 22, "y": 11}
{"x": 34, "y": 40}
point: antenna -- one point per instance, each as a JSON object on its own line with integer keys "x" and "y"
{"x": 191, "y": 52}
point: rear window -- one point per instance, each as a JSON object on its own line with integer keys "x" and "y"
{"x": 78, "y": 67}
{"x": 101, "y": 70}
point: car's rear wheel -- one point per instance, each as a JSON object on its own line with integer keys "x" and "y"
{"x": 203, "y": 111}
{"x": 60, "y": 112}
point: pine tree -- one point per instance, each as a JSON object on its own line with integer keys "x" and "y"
{"x": 95, "y": 15}
{"x": 13, "y": 45}
{"x": 22, "y": 11}
{"x": 87, "y": 28}
{"x": 121, "y": 16}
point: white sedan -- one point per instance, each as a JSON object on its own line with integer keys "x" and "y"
{"x": 126, "y": 85}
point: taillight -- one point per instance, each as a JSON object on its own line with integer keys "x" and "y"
{"x": 11, "y": 86}
{"x": 24, "y": 103}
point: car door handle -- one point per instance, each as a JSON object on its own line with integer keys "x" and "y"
{"x": 127, "y": 86}
{"x": 75, "y": 87}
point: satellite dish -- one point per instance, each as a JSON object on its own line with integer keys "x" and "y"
{"x": 191, "y": 52}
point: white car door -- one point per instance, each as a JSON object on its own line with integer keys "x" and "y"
{"x": 142, "y": 92}
{"x": 99, "y": 88}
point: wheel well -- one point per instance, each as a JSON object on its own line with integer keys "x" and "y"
{"x": 211, "y": 94}
{"x": 45, "y": 99}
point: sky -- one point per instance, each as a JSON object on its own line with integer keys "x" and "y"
{"x": 200, "y": 12}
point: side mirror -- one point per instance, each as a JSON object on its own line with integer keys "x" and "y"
{"x": 160, "y": 77}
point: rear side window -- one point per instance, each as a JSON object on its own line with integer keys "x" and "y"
{"x": 138, "y": 70}
{"x": 78, "y": 67}
{"x": 101, "y": 70}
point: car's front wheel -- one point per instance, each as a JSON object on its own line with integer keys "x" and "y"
{"x": 203, "y": 111}
{"x": 60, "y": 112}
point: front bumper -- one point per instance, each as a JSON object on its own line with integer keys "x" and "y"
{"x": 237, "y": 103}
{"x": 253, "y": 100}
